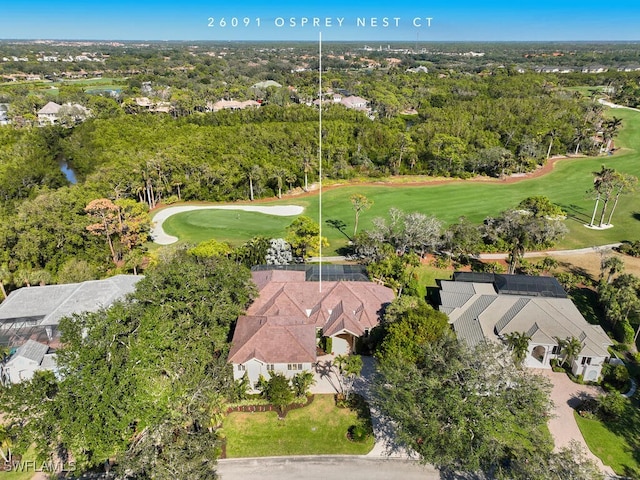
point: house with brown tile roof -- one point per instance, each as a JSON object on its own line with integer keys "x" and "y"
{"x": 280, "y": 330}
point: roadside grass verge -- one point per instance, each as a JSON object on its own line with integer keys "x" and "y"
{"x": 318, "y": 429}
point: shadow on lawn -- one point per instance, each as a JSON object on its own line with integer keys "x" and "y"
{"x": 576, "y": 213}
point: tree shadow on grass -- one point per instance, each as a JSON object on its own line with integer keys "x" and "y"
{"x": 636, "y": 215}
{"x": 576, "y": 213}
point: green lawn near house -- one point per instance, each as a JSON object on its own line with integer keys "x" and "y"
{"x": 566, "y": 185}
{"x": 617, "y": 444}
{"x": 320, "y": 428}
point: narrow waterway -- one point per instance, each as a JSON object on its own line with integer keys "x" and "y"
{"x": 68, "y": 172}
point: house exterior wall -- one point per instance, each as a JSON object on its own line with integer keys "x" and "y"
{"x": 254, "y": 368}
{"x": 533, "y": 362}
{"x": 340, "y": 346}
{"x": 19, "y": 369}
{"x": 590, "y": 371}
{"x": 47, "y": 118}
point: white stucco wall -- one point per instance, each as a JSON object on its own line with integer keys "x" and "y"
{"x": 20, "y": 369}
{"x": 254, "y": 368}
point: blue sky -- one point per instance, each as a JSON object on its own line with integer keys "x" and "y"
{"x": 451, "y": 21}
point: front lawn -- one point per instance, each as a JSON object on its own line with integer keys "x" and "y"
{"x": 617, "y": 444}
{"x": 320, "y": 428}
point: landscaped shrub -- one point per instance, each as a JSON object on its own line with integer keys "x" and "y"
{"x": 624, "y": 331}
{"x": 615, "y": 377}
{"x": 328, "y": 344}
{"x": 171, "y": 200}
{"x": 358, "y": 433}
{"x": 612, "y": 406}
{"x": 630, "y": 248}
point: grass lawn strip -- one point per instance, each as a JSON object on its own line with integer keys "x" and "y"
{"x": 318, "y": 429}
{"x": 612, "y": 448}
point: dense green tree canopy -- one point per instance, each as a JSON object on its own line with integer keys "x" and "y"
{"x": 464, "y": 409}
{"x": 143, "y": 381}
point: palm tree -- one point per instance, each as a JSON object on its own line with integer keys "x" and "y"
{"x": 302, "y": 382}
{"x": 569, "y": 348}
{"x": 518, "y": 342}
{"x": 602, "y": 185}
{"x": 622, "y": 183}
{"x": 360, "y": 203}
{"x": 609, "y": 130}
{"x": 279, "y": 174}
{"x": 612, "y": 265}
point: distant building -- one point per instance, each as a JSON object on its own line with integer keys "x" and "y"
{"x": 266, "y": 84}
{"x": 418, "y": 69}
{"x": 52, "y": 113}
{"x": 354, "y": 102}
{"x": 4, "y": 119}
{"x": 231, "y": 105}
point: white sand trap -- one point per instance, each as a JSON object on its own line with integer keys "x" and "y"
{"x": 160, "y": 237}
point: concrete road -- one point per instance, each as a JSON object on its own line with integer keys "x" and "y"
{"x": 323, "y": 467}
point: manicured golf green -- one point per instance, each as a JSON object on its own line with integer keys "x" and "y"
{"x": 566, "y": 185}
{"x": 233, "y": 226}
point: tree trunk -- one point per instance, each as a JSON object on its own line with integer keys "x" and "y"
{"x": 604, "y": 209}
{"x": 549, "y": 149}
{"x": 615, "y": 204}
{"x": 306, "y": 183}
{"x": 4, "y": 292}
{"x": 577, "y": 148}
{"x": 250, "y": 188}
{"x": 595, "y": 209}
{"x": 355, "y": 227}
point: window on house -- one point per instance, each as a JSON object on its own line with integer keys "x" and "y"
{"x": 294, "y": 366}
{"x": 555, "y": 350}
{"x": 241, "y": 368}
{"x": 586, "y": 360}
{"x": 270, "y": 367}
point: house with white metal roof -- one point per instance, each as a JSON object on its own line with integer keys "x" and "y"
{"x": 488, "y": 307}
{"x": 29, "y": 318}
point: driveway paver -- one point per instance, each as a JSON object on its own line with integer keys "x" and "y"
{"x": 563, "y": 427}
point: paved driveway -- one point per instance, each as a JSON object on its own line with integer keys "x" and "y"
{"x": 566, "y": 395}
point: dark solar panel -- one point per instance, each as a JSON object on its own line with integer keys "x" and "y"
{"x": 516, "y": 284}
{"x": 330, "y": 273}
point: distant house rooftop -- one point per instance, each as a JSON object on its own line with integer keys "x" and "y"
{"x": 32, "y": 311}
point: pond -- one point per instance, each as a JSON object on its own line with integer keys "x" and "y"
{"x": 68, "y": 172}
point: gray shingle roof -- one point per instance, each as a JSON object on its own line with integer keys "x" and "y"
{"x": 46, "y": 305}
{"x": 467, "y": 326}
{"x": 32, "y": 350}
